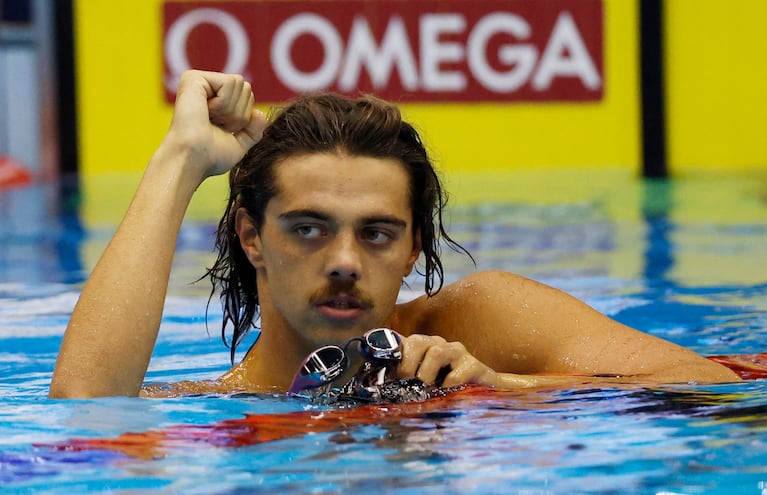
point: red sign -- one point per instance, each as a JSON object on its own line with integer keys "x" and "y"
{"x": 401, "y": 50}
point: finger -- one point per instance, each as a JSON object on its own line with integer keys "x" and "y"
{"x": 438, "y": 357}
{"x": 469, "y": 370}
{"x": 217, "y": 88}
{"x": 224, "y": 89}
{"x": 223, "y": 99}
{"x": 232, "y": 98}
{"x": 213, "y": 83}
{"x": 230, "y": 106}
{"x": 253, "y": 131}
{"x": 413, "y": 349}
{"x": 253, "y": 121}
{"x": 191, "y": 99}
{"x": 245, "y": 101}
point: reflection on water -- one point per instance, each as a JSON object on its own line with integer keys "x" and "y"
{"x": 681, "y": 259}
{"x": 670, "y": 439}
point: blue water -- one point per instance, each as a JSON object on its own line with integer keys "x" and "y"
{"x": 683, "y": 260}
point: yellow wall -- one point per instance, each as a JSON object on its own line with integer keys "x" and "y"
{"x": 716, "y": 85}
{"x": 545, "y": 135}
{"x": 716, "y": 109}
{"x": 119, "y": 91}
{"x": 123, "y": 113}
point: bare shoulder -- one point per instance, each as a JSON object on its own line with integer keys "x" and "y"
{"x": 515, "y": 324}
{"x": 492, "y": 314}
{"x": 495, "y": 283}
{"x": 487, "y": 294}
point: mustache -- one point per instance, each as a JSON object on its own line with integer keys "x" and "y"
{"x": 335, "y": 289}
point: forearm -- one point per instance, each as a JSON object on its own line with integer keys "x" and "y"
{"x": 694, "y": 371}
{"x": 113, "y": 328}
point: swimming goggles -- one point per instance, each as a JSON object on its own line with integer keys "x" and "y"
{"x": 379, "y": 347}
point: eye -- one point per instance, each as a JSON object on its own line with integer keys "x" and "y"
{"x": 376, "y": 236}
{"x": 309, "y": 231}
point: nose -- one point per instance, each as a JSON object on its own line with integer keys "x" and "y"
{"x": 344, "y": 259}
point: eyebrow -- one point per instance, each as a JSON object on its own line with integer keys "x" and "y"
{"x": 303, "y": 213}
{"x": 317, "y": 215}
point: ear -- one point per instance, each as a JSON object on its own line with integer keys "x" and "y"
{"x": 415, "y": 253}
{"x": 250, "y": 240}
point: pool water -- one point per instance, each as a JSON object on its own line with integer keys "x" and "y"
{"x": 682, "y": 259}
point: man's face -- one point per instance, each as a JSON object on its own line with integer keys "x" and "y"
{"x": 334, "y": 246}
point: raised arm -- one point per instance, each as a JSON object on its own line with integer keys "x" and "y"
{"x": 113, "y": 328}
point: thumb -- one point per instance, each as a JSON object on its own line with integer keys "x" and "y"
{"x": 253, "y": 131}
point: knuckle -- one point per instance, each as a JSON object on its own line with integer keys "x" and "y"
{"x": 457, "y": 347}
{"x": 437, "y": 352}
{"x": 187, "y": 74}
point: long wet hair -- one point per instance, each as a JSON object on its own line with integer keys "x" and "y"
{"x": 325, "y": 123}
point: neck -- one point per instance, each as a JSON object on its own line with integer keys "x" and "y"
{"x": 272, "y": 361}
{"x": 274, "y": 358}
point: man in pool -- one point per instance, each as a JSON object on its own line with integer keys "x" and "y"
{"x": 331, "y": 205}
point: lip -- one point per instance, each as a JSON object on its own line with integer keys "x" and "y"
{"x": 340, "y": 307}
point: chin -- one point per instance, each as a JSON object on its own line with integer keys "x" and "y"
{"x": 337, "y": 335}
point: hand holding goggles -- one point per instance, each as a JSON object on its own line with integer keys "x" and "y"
{"x": 379, "y": 346}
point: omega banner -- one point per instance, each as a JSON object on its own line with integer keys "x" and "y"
{"x": 402, "y": 50}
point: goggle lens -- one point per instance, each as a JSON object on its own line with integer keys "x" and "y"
{"x": 326, "y": 362}
{"x": 320, "y": 368}
{"x": 381, "y": 345}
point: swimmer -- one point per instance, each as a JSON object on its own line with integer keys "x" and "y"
{"x": 332, "y": 203}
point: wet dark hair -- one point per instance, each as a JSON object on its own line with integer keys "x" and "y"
{"x": 325, "y": 123}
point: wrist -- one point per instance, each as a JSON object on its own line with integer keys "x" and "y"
{"x": 509, "y": 381}
{"x": 182, "y": 165}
